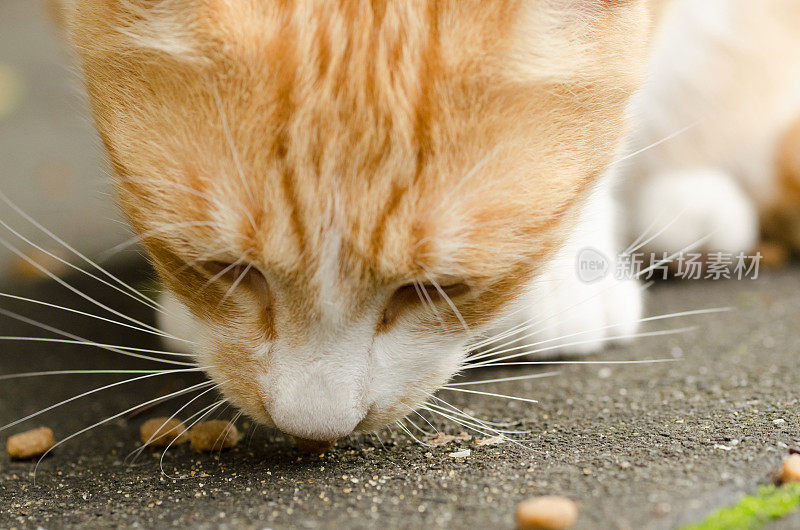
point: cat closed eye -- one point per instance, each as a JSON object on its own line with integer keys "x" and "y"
{"x": 420, "y": 295}
{"x": 237, "y": 272}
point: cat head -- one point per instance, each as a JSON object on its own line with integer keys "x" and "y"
{"x": 344, "y": 193}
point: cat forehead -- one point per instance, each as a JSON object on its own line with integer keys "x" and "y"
{"x": 379, "y": 107}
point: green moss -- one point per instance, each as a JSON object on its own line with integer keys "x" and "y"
{"x": 754, "y": 511}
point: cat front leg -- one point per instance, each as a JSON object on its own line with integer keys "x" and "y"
{"x": 580, "y": 303}
{"x": 693, "y": 210}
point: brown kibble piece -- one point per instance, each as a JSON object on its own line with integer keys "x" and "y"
{"x": 31, "y": 443}
{"x": 213, "y": 435}
{"x": 791, "y": 470}
{"x": 161, "y": 432}
{"x": 546, "y": 513}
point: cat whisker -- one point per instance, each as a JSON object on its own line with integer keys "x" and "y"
{"x": 417, "y": 427}
{"x": 565, "y": 363}
{"x": 492, "y": 394}
{"x": 452, "y": 409}
{"x": 471, "y": 423}
{"x": 504, "y": 379}
{"x": 133, "y": 455}
{"x": 447, "y": 299}
{"x": 78, "y": 312}
{"x": 149, "y": 303}
{"x": 235, "y": 154}
{"x": 225, "y": 431}
{"x": 428, "y": 302}
{"x": 656, "y": 144}
{"x": 660, "y": 333}
{"x": 598, "y": 293}
{"x": 475, "y": 427}
{"x": 100, "y": 389}
{"x": 376, "y": 435}
{"x": 195, "y": 419}
{"x": 153, "y": 232}
{"x": 123, "y": 350}
{"x": 409, "y": 433}
{"x": 415, "y": 411}
{"x": 62, "y": 333}
{"x": 639, "y": 245}
{"x": 222, "y": 273}
{"x": 112, "y": 418}
{"x": 640, "y": 237}
{"x": 494, "y": 351}
{"x": 672, "y": 257}
{"x": 84, "y": 295}
{"x": 131, "y": 291}
{"x": 236, "y": 283}
{"x": 24, "y": 375}
{"x": 482, "y": 426}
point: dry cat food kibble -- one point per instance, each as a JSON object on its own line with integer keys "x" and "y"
{"x": 213, "y": 435}
{"x": 546, "y": 513}
{"x": 161, "y": 432}
{"x": 31, "y": 443}
{"x": 791, "y": 470}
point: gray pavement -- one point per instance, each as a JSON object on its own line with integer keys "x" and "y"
{"x": 650, "y": 446}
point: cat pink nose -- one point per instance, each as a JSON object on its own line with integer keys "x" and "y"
{"x": 314, "y": 405}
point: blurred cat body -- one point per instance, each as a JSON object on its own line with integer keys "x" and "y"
{"x": 342, "y": 196}
{"x": 726, "y": 74}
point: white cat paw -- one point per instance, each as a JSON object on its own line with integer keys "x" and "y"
{"x": 703, "y": 207}
{"x": 564, "y": 315}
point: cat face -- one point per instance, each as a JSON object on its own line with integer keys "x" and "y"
{"x": 344, "y": 193}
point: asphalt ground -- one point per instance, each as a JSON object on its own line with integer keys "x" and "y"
{"x": 637, "y": 446}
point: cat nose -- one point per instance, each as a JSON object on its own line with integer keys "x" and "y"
{"x": 315, "y": 406}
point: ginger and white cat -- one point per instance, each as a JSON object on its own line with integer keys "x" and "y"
{"x": 342, "y": 196}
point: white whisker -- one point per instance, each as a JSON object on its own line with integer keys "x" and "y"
{"x": 86, "y": 296}
{"x": 137, "y": 294}
{"x": 409, "y": 433}
{"x": 666, "y": 227}
{"x": 203, "y": 413}
{"x": 150, "y": 233}
{"x": 560, "y": 363}
{"x": 235, "y": 284}
{"x": 24, "y": 375}
{"x": 235, "y": 154}
{"x": 504, "y": 379}
{"x": 452, "y": 409}
{"x": 40, "y": 325}
{"x": 134, "y": 454}
{"x": 491, "y": 394}
{"x": 125, "y": 350}
{"x": 77, "y": 312}
{"x": 448, "y": 300}
{"x": 119, "y": 415}
{"x": 656, "y": 144}
{"x": 96, "y": 390}
{"x": 494, "y": 351}
{"x": 591, "y": 341}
